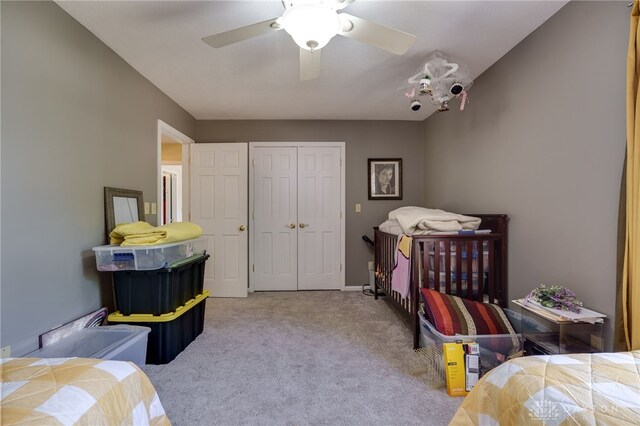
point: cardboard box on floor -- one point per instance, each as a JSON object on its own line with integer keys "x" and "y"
{"x": 462, "y": 366}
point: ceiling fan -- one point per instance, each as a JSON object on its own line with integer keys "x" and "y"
{"x": 312, "y": 24}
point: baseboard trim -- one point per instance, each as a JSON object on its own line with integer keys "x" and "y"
{"x": 352, "y": 288}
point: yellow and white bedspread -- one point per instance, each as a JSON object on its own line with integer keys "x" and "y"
{"x": 576, "y": 389}
{"x": 77, "y": 391}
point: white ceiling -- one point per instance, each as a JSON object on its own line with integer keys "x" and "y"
{"x": 259, "y": 78}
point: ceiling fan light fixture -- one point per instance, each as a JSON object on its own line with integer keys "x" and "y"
{"x": 311, "y": 25}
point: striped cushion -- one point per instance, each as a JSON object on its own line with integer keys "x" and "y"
{"x": 453, "y": 315}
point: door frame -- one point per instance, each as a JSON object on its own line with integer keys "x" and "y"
{"x": 343, "y": 162}
{"x": 165, "y": 129}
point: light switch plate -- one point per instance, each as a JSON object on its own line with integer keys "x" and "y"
{"x": 6, "y": 352}
{"x": 358, "y": 208}
{"x": 146, "y": 208}
{"x": 153, "y": 208}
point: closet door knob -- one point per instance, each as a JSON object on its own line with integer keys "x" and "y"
{"x": 242, "y": 228}
{"x": 291, "y": 225}
{"x": 302, "y": 225}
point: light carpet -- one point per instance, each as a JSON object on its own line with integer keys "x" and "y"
{"x": 301, "y": 358}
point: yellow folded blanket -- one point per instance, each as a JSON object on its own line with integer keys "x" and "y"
{"x": 145, "y": 234}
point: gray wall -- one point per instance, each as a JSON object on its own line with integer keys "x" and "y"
{"x": 543, "y": 140}
{"x": 363, "y": 139}
{"x": 75, "y": 118}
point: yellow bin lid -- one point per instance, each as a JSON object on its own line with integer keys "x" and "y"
{"x": 118, "y": 317}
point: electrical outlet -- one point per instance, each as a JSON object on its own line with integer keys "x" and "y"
{"x": 153, "y": 208}
{"x": 6, "y": 352}
{"x": 596, "y": 342}
{"x": 146, "y": 207}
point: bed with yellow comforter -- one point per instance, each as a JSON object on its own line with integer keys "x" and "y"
{"x": 575, "y": 389}
{"x": 77, "y": 391}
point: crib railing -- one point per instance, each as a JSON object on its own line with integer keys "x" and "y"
{"x": 466, "y": 266}
{"x": 385, "y": 247}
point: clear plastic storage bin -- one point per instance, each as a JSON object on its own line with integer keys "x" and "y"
{"x": 145, "y": 258}
{"x": 550, "y": 337}
{"x": 494, "y": 348}
{"x": 117, "y": 342}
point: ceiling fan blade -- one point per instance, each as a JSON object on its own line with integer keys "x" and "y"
{"x": 243, "y": 33}
{"x": 389, "y": 39}
{"x": 309, "y": 64}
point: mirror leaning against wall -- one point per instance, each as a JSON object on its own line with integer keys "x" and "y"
{"x": 122, "y": 206}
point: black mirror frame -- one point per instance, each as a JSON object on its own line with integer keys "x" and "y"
{"x": 109, "y": 214}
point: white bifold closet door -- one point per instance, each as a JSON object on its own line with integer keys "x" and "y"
{"x": 297, "y": 209}
{"x": 219, "y": 203}
{"x": 275, "y": 218}
{"x": 318, "y": 218}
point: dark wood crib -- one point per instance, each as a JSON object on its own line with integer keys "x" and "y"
{"x": 470, "y": 266}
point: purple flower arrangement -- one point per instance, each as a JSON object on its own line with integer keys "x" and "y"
{"x": 557, "y": 297}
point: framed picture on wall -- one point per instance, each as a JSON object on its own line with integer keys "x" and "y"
{"x": 385, "y": 178}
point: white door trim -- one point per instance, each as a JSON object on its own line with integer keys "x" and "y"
{"x": 166, "y": 129}
{"x": 341, "y": 145}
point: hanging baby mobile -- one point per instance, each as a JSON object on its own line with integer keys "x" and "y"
{"x": 439, "y": 80}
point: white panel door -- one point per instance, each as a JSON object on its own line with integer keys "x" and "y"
{"x": 319, "y": 221}
{"x": 219, "y": 203}
{"x": 275, "y": 217}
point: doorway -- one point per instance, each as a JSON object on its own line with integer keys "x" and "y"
{"x": 297, "y": 204}
{"x": 171, "y": 202}
{"x": 173, "y": 172}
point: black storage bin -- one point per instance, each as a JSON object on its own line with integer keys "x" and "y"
{"x": 170, "y": 333}
{"x": 159, "y": 291}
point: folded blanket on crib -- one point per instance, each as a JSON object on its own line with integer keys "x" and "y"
{"x": 393, "y": 227}
{"x": 412, "y": 218}
{"x": 145, "y": 234}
